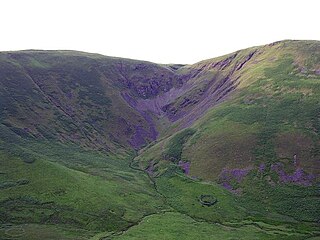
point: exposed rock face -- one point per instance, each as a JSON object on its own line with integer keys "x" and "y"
{"x": 145, "y": 80}
{"x": 138, "y": 139}
{"x": 185, "y": 94}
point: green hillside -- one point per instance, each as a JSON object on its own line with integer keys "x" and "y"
{"x": 271, "y": 118}
{"x": 262, "y": 144}
{"x": 96, "y": 147}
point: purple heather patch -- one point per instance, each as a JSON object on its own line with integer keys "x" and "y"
{"x": 236, "y": 174}
{"x": 228, "y": 175}
{"x": 317, "y": 72}
{"x": 227, "y": 186}
{"x": 262, "y": 167}
{"x": 299, "y": 176}
{"x": 185, "y": 166}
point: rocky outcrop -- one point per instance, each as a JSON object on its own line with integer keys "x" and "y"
{"x": 182, "y": 94}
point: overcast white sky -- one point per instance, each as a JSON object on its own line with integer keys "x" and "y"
{"x": 163, "y": 31}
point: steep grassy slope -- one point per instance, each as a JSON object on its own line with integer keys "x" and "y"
{"x": 273, "y": 119}
{"x": 72, "y": 188}
{"x": 272, "y": 116}
{"x": 72, "y": 96}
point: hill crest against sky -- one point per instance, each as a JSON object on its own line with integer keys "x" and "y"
{"x": 99, "y": 143}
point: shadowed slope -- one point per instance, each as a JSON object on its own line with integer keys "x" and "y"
{"x": 103, "y": 102}
{"x": 76, "y": 97}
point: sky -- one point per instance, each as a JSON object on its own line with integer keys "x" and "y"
{"x": 161, "y": 31}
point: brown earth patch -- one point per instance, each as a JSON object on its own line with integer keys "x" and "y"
{"x": 298, "y": 149}
{"x": 212, "y": 153}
